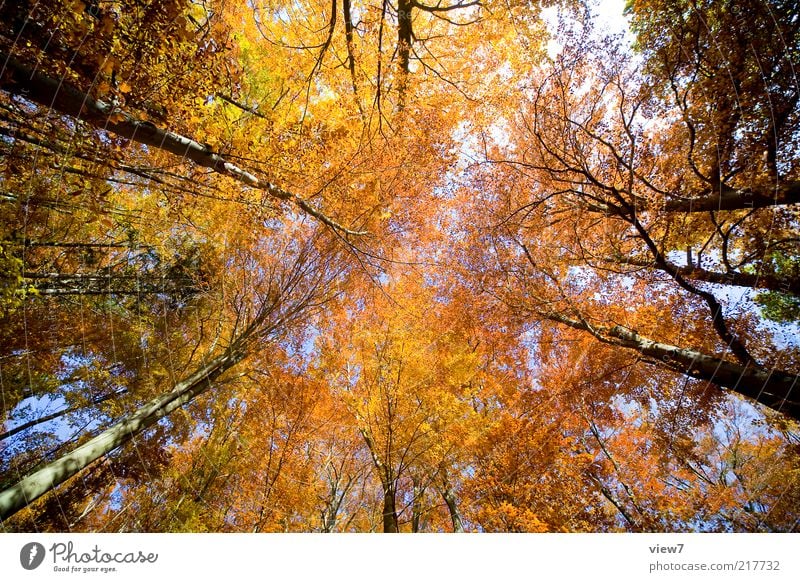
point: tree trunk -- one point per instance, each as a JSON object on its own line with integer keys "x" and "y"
{"x": 108, "y": 284}
{"x": 728, "y": 199}
{"x": 405, "y": 38}
{"x": 732, "y": 199}
{"x": 389, "y": 510}
{"x": 387, "y": 483}
{"x": 351, "y": 61}
{"x": 416, "y": 507}
{"x": 737, "y": 279}
{"x": 452, "y": 506}
{"x": 20, "y": 79}
{"x": 329, "y": 518}
{"x": 772, "y": 388}
{"x": 78, "y": 245}
{"x": 34, "y": 486}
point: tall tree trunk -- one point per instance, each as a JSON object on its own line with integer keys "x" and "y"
{"x": 21, "y": 79}
{"x": 328, "y": 520}
{"x": 79, "y": 245}
{"x": 34, "y": 486}
{"x": 333, "y": 503}
{"x": 389, "y": 509}
{"x": 329, "y": 514}
{"x": 405, "y": 38}
{"x": 108, "y": 284}
{"x": 386, "y": 476}
{"x": 775, "y": 389}
{"x": 351, "y": 61}
{"x": 452, "y": 506}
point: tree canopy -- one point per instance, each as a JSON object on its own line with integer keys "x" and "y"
{"x": 399, "y": 266}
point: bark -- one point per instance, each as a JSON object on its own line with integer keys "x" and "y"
{"x": 733, "y": 199}
{"x": 390, "y": 520}
{"x": 389, "y": 510}
{"x": 241, "y": 106}
{"x": 329, "y": 520}
{"x": 20, "y": 79}
{"x": 69, "y": 292}
{"x": 300, "y": 288}
{"x": 351, "y": 61}
{"x": 72, "y": 277}
{"x": 37, "y": 484}
{"x": 631, "y": 521}
{"x": 452, "y": 506}
{"x": 732, "y": 341}
{"x": 738, "y": 279}
{"x": 774, "y": 389}
{"x": 335, "y": 499}
{"x": 77, "y": 245}
{"x": 416, "y": 507}
{"x": 405, "y": 38}
{"x": 728, "y": 199}
{"x": 109, "y": 284}
{"x": 634, "y": 523}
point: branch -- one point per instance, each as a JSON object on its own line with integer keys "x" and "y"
{"x": 440, "y": 8}
{"x": 241, "y": 106}
{"x": 68, "y": 100}
{"x": 738, "y": 279}
{"x": 771, "y": 387}
{"x": 737, "y": 199}
{"x": 717, "y": 316}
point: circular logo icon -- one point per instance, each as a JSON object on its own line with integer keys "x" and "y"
{"x": 31, "y": 555}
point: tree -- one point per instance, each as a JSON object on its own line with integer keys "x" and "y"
{"x": 286, "y": 296}
{"x": 346, "y": 265}
{"x": 408, "y": 386}
{"x": 594, "y": 166}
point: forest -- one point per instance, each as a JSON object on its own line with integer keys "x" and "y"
{"x": 399, "y": 266}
